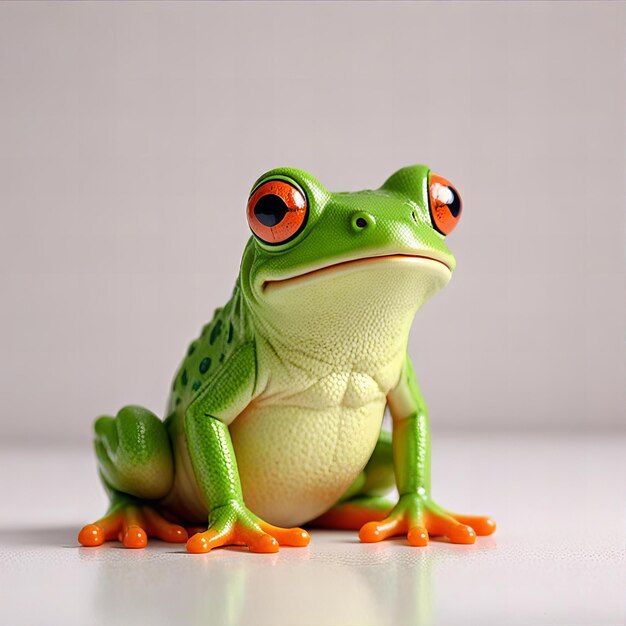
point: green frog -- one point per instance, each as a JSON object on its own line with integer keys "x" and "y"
{"x": 275, "y": 415}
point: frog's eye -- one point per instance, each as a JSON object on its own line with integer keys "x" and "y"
{"x": 277, "y": 211}
{"x": 445, "y": 204}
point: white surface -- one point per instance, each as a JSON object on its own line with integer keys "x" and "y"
{"x": 556, "y": 558}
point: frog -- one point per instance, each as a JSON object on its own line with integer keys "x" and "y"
{"x": 274, "y": 423}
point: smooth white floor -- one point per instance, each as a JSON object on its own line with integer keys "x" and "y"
{"x": 558, "y": 556}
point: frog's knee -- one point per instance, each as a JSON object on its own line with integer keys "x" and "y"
{"x": 134, "y": 452}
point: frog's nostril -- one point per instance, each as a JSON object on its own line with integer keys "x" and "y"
{"x": 362, "y": 220}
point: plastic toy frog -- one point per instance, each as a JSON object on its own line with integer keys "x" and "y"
{"x": 275, "y": 414}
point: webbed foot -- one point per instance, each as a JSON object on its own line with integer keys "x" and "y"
{"x": 132, "y": 525}
{"x": 233, "y": 524}
{"x": 419, "y": 517}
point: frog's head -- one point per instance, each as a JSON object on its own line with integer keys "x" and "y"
{"x": 366, "y": 244}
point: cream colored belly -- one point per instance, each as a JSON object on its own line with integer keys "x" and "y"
{"x": 296, "y": 462}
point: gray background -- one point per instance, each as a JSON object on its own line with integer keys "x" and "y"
{"x": 130, "y": 135}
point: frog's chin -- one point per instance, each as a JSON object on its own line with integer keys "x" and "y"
{"x": 351, "y": 303}
{"x": 420, "y": 262}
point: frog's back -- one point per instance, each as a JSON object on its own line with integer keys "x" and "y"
{"x": 218, "y": 339}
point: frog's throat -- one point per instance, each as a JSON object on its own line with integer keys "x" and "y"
{"x": 349, "y": 306}
{"x": 278, "y": 283}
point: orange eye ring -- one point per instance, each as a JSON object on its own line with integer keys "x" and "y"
{"x": 277, "y": 211}
{"x": 445, "y": 204}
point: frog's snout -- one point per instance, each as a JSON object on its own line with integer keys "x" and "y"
{"x": 362, "y": 220}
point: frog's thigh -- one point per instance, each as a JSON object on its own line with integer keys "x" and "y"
{"x": 134, "y": 453}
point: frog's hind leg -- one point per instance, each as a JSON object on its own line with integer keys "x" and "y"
{"x": 352, "y": 514}
{"x": 364, "y": 501}
{"x": 136, "y": 468}
{"x": 363, "y": 507}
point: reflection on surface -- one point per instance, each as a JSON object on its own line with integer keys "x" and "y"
{"x": 339, "y": 581}
{"x": 553, "y": 568}
{"x": 336, "y": 580}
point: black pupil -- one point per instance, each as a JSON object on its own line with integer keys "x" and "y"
{"x": 270, "y": 210}
{"x": 455, "y": 204}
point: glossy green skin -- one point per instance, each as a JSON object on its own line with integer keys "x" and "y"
{"x": 189, "y": 466}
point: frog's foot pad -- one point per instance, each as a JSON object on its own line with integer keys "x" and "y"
{"x": 354, "y": 513}
{"x": 132, "y": 525}
{"x": 421, "y": 521}
{"x": 258, "y": 535}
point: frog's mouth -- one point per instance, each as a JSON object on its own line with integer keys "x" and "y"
{"x": 349, "y": 264}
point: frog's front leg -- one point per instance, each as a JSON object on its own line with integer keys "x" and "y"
{"x": 213, "y": 459}
{"x": 416, "y": 514}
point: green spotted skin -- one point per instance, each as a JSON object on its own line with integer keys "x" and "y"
{"x": 275, "y": 412}
{"x": 205, "y": 355}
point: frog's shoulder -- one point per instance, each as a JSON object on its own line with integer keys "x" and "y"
{"x": 218, "y": 339}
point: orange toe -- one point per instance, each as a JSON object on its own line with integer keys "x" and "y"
{"x": 482, "y": 525}
{"x": 292, "y": 537}
{"x": 174, "y": 534}
{"x": 295, "y": 537}
{"x": 445, "y": 525}
{"x": 418, "y": 536}
{"x": 91, "y": 535}
{"x": 201, "y": 543}
{"x": 264, "y": 544}
{"x": 158, "y": 526}
{"x": 462, "y": 534}
{"x": 135, "y": 537}
{"x": 377, "y": 531}
{"x": 370, "y": 533}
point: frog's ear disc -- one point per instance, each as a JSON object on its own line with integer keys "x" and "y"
{"x": 444, "y": 202}
{"x": 277, "y": 211}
